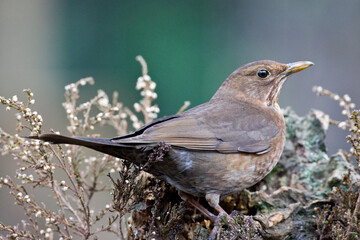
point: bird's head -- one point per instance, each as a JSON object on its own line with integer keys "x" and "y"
{"x": 259, "y": 81}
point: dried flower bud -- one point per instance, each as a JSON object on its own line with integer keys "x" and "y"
{"x": 342, "y": 125}
{"x": 137, "y": 107}
{"x": 347, "y": 98}
{"x": 123, "y": 115}
{"x": 140, "y": 84}
{"x": 152, "y": 85}
{"x": 147, "y": 78}
{"x": 133, "y": 118}
{"x": 104, "y": 101}
{"x": 38, "y": 214}
{"x": 136, "y": 125}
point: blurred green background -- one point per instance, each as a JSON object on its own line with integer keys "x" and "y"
{"x": 190, "y": 47}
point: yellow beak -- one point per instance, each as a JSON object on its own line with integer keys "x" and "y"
{"x": 296, "y": 67}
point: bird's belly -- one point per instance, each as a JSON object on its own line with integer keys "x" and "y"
{"x": 200, "y": 172}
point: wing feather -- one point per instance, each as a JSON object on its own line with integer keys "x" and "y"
{"x": 245, "y": 129}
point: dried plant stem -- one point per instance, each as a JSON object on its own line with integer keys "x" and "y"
{"x": 353, "y": 217}
{"x": 143, "y": 64}
{"x": 184, "y": 107}
{"x": 84, "y": 225}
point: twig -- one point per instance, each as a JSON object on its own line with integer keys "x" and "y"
{"x": 353, "y": 217}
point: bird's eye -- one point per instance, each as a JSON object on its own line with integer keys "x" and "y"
{"x": 263, "y": 73}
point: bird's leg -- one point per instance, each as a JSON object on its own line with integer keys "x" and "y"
{"x": 213, "y": 199}
{"x": 198, "y": 206}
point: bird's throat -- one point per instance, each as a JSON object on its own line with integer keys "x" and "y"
{"x": 273, "y": 97}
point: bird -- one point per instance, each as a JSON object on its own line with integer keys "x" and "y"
{"x": 214, "y": 149}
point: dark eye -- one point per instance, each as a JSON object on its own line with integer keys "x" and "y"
{"x": 263, "y": 73}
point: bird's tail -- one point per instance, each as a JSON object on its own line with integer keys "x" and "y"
{"x": 104, "y": 145}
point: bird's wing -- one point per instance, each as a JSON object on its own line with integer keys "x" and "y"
{"x": 227, "y": 128}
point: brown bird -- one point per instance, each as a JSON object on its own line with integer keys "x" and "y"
{"x": 217, "y": 148}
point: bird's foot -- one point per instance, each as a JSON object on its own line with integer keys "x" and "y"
{"x": 222, "y": 212}
{"x": 223, "y": 219}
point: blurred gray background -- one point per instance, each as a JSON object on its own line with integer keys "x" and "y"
{"x": 190, "y": 47}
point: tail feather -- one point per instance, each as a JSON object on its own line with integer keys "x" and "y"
{"x": 60, "y": 139}
{"x": 104, "y": 145}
